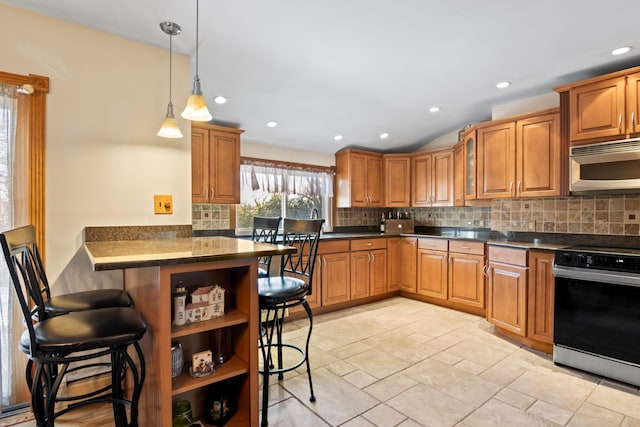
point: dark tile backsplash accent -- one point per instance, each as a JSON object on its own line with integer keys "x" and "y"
{"x": 143, "y": 232}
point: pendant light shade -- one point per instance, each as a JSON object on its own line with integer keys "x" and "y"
{"x": 196, "y": 109}
{"x": 169, "y": 128}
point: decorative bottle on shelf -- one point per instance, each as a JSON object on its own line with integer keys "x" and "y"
{"x": 179, "y": 304}
{"x": 382, "y": 224}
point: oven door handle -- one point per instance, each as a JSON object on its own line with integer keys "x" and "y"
{"x": 598, "y": 276}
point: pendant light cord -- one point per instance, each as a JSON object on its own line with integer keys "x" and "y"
{"x": 170, "y": 64}
{"x": 197, "y": 38}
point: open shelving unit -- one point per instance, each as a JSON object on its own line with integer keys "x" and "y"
{"x": 151, "y": 288}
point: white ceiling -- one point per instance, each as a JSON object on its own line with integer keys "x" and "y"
{"x": 363, "y": 67}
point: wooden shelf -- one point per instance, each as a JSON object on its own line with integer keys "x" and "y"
{"x": 232, "y": 368}
{"x": 234, "y": 317}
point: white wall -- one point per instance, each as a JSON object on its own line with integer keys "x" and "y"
{"x": 108, "y": 96}
{"x": 524, "y": 106}
{"x": 259, "y": 151}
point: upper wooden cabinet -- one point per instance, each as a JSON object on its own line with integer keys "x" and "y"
{"x": 469, "y": 168}
{"x": 215, "y": 164}
{"x": 604, "y": 108}
{"x": 397, "y": 180}
{"x": 458, "y": 174}
{"x": 520, "y": 158}
{"x": 432, "y": 179}
{"x": 359, "y": 179}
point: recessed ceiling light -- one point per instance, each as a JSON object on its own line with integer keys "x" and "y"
{"x": 384, "y": 135}
{"x": 272, "y": 124}
{"x": 434, "y": 109}
{"x": 621, "y": 50}
{"x": 220, "y": 99}
{"x": 502, "y": 85}
{"x": 338, "y": 137}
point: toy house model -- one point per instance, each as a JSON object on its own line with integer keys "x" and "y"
{"x": 206, "y": 302}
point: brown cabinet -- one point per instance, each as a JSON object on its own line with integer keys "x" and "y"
{"x": 604, "y": 109}
{"x": 432, "y": 267}
{"x": 359, "y": 179}
{"x": 507, "y": 289}
{"x": 520, "y": 158}
{"x": 432, "y": 179}
{"x": 466, "y": 279}
{"x": 215, "y": 164}
{"x": 540, "y": 296}
{"x": 368, "y": 267}
{"x": 397, "y": 180}
{"x": 401, "y": 261}
{"x": 335, "y": 272}
{"x": 151, "y": 288}
{"x": 469, "y": 142}
{"x": 458, "y": 174}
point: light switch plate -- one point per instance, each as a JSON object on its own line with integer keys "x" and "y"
{"x": 163, "y": 204}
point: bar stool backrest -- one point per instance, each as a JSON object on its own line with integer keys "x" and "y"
{"x": 265, "y": 230}
{"x": 27, "y": 274}
{"x": 304, "y": 235}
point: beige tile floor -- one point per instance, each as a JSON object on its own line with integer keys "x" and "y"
{"x": 406, "y": 363}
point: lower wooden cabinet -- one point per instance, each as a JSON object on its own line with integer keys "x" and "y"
{"x": 507, "y": 289}
{"x": 432, "y": 268}
{"x": 466, "y": 280}
{"x": 541, "y": 296}
{"x": 335, "y": 275}
{"x": 368, "y": 267}
{"x": 401, "y": 258}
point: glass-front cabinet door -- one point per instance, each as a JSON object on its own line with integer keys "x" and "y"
{"x": 469, "y": 139}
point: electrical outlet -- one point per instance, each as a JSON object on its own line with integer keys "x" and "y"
{"x": 163, "y": 204}
{"x": 532, "y": 225}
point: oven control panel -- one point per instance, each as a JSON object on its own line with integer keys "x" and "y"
{"x": 599, "y": 260}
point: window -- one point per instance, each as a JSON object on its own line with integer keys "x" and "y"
{"x": 282, "y": 189}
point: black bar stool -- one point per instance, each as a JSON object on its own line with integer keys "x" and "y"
{"x": 265, "y": 230}
{"x": 289, "y": 289}
{"x": 77, "y": 301}
{"x": 52, "y": 342}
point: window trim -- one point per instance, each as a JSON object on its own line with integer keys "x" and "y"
{"x": 289, "y": 165}
{"x": 36, "y": 131}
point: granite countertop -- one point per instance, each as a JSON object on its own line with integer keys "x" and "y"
{"x": 113, "y": 255}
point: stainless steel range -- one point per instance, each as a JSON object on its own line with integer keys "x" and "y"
{"x": 597, "y": 311}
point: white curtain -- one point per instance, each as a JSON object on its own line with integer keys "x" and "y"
{"x": 8, "y": 115}
{"x": 280, "y": 179}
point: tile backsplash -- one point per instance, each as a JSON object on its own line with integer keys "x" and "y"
{"x": 206, "y": 216}
{"x": 619, "y": 215}
{"x": 616, "y": 215}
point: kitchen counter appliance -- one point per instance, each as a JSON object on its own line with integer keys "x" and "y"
{"x": 610, "y": 167}
{"x": 597, "y": 311}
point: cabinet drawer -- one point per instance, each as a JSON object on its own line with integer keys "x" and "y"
{"x": 513, "y": 256}
{"x": 433, "y": 244}
{"x": 368, "y": 244}
{"x": 333, "y": 246}
{"x": 466, "y": 247}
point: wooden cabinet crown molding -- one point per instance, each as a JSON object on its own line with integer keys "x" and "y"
{"x": 620, "y": 73}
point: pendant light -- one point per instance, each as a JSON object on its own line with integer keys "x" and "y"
{"x": 196, "y": 109}
{"x": 169, "y": 128}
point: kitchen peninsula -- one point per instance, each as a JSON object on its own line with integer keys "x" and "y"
{"x": 152, "y": 269}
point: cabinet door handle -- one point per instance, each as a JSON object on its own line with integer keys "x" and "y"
{"x": 633, "y": 121}
{"x": 370, "y": 257}
{"x": 465, "y": 247}
{"x": 519, "y": 187}
{"x": 369, "y": 244}
{"x": 620, "y": 123}
{"x": 213, "y": 193}
{"x": 511, "y": 188}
